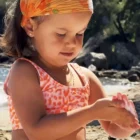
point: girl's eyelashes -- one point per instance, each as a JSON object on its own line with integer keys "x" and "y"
{"x": 80, "y": 35}
{"x": 63, "y": 35}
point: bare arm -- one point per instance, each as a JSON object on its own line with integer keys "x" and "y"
{"x": 96, "y": 93}
{"x": 29, "y": 105}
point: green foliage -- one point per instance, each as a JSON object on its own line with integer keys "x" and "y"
{"x": 113, "y": 48}
{"x": 116, "y": 17}
{"x": 2, "y": 3}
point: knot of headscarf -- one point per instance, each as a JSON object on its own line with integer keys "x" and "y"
{"x": 33, "y": 8}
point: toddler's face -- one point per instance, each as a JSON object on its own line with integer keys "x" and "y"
{"x": 59, "y": 38}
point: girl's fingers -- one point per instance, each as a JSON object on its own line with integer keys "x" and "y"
{"x": 122, "y": 101}
{"x": 118, "y": 103}
{"x": 118, "y": 100}
{"x": 124, "y": 98}
{"x": 129, "y": 104}
{"x": 114, "y": 97}
{"x": 119, "y": 95}
{"x": 136, "y": 126}
{"x": 131, "y": 108}
{"x": 132, "y": 104}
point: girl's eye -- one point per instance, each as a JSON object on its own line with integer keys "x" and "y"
{"x": 80, "y": 35}
{"x": 61, "y": 35}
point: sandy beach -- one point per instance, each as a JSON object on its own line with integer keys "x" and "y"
{"x": 93, "y": 130}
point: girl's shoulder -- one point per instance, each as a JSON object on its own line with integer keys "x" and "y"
{"x": 82, "y": 69}
{"x": 78, "y": 67}
{"x": 20, "y": 73}
{"x": 89, "y": 74}
{"x": 22, "y": 67}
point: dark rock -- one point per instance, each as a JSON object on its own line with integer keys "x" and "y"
{"x": 111, "y": 138}
{"x": 120, "y": 55}
{"x": 112, "y": 74}
{"x": 133, "y": 71}
{"x": 3, "y": 59}
{"x": 93, "y": 123}
{"x": 109, "y": 72}
{"x": 124, "y": 57}
{"x": 133, "y": 78}
{"x": 132, "y": 48}
{"x": 92, "y": 43}
{"x": 137, "y": 40}
{"x": 137, "y": 67}
{"x": 124, "y": 74}
{"x": 2, "y": 11}
{"x": 97, "y": 59}
{"x": 92, "y": 68}
{"x": 96, "y": 73}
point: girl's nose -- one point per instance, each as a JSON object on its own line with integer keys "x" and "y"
{"x": 72, "y": 42}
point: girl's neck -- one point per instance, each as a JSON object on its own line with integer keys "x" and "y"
{"x": 62, "y": 74}
{"x": 49, "y": 67}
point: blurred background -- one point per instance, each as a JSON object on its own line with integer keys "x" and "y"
{"x": 111, "y": 46}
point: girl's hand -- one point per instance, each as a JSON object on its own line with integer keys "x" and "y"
{"x": 123, "y": 102}
{"x": 109, "y": 110}
{"x": 126, "y": 120}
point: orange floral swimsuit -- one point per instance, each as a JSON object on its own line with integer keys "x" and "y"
{"x": 58, "y": 98}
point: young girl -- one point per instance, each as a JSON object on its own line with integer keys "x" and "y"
{"x": 50, "y": 98}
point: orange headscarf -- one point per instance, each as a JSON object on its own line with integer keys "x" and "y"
{"x": 32, "y": 8}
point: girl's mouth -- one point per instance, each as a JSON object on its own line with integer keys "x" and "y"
{"x": 66, "y": 54}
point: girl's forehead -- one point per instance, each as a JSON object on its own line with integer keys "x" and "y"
{"x": 69, "y": 18}
{"x": 72, "y": 15}
{"x": 64, "y": 21}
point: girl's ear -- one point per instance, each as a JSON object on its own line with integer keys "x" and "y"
{"x": 30, "y": 27}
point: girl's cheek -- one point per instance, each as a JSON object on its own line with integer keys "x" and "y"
{"x": 58, "y": 43}
{"x": 80, "y": 40}
{"x": 60, "y": 40}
